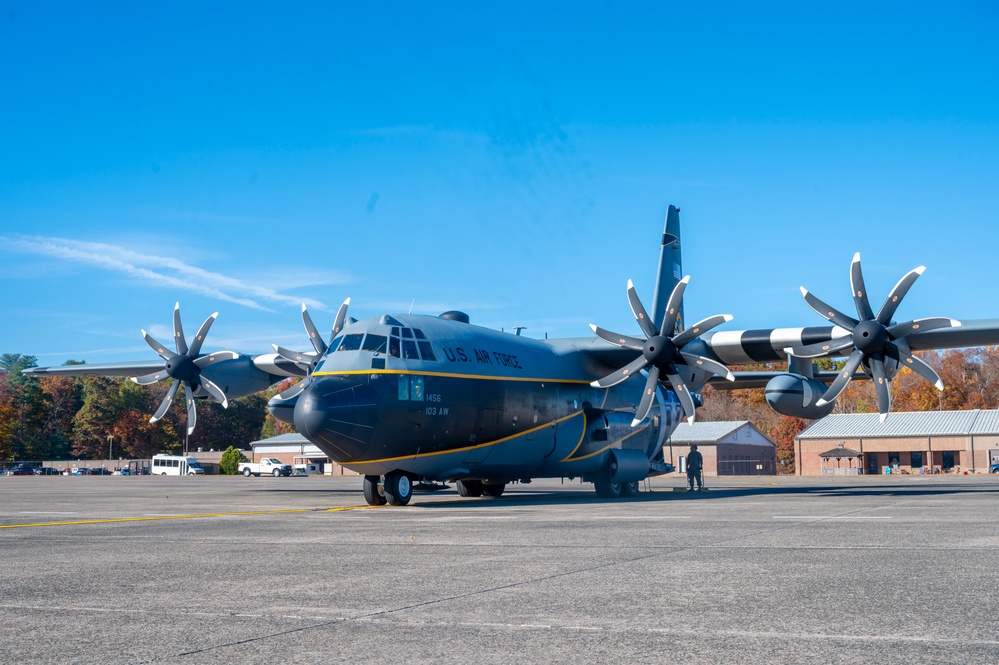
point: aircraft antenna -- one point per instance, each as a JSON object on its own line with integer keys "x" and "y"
{"x": 411, "y": 306}
{"x": 518, "y": 329}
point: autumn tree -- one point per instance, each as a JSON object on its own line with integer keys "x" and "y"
{"x": 272, "y": 426}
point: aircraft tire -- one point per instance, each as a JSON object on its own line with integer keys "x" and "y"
{"x": 629, "y": 489}
{"x": 371, "y": 493}
{"x": 605, "y": 488}
{"x": 468, "y": 488}
{"x": 398, "y": 488}
{"x": 494, "y": 490}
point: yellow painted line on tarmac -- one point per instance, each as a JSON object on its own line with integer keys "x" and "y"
{"x": 154, "y": 518}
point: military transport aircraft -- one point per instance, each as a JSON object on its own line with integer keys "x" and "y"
{"x": 400, "y": 398}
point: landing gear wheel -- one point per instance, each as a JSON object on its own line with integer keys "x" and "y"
{"x": 605, "y": 488}
{"x": 371, "y": 493}
{"x": 469, "y": 488}
{"x": 246, "y": 472}
{"x": 491, "y": 489}
{"x": 629, "y": 489}
{"x": 398, "y": 488}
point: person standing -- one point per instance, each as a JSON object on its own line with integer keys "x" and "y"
{"x": 694, "y": 465}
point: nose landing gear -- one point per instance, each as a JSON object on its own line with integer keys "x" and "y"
{"x": 397, "y": 489}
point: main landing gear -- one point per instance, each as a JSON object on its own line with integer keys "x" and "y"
{"x": 606, "y": 489}
{"x": 397, "y": 489}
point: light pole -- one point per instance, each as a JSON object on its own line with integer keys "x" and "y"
{"x": 110, "y": 442}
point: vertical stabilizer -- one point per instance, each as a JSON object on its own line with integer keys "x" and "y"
{"x": 670, "y": 272}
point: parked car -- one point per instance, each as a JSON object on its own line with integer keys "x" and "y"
{"x": 21, "y": 470}
{"x": 48, "y": 471}
{"x": 100, "y": 471}
{"x": 994, "y": 468}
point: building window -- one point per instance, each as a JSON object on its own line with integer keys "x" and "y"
{"x": 916, "y": 458}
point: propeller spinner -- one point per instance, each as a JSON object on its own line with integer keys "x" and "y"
{"x": 661, "y": 353}
{"x": 874, "y": 340}
{"x": 185, "y": 367}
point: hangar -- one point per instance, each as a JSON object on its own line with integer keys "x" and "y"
{"x": 908, "y": 442}
{"x": 296, "y": 450}
{"x": 729, "y": 448}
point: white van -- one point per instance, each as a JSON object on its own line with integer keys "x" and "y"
{"x": 175, "y": 465}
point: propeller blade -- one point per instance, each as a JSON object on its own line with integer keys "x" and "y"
{"x": 645, "y": 405}
{"x": 317, "y": 342}
{"x": 620, "y": 375}
{"x": 819, "y": 349}
{"x": 680, "y": 388}
{"x": 215, "y": 392}
{"x": 915, "y": 364}
{"x": 673, "y": 304}
{"x": 922, "y": 325}
{"x": 340, "y": 320}
{"x": 192, "y": 412}
{"x": 844, "y": 378}
{"x": 699, "y": 328}
{"x": 894, "y": 298}
{"x": 708, "y": 365}
{"x": 165, "y": 404}
{"x": 178, "y": 331}
{"x": 161, "y": 351}
{"x": 859, "y": 290}
{"x": 641, "y": 315}
{"x": 150, "y": 379}
{"x": 195, "y": 349}
{"x": 213, "y": 358}
{"x": 828, "y": 313}
{"x": 293, "y": 391}
{"x": 623, "y": 341}
{"x": 297, "y": 357}
{"x": 881, "y": 385}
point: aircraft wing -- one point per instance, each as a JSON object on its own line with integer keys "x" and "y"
{"x": 104, "y": 369}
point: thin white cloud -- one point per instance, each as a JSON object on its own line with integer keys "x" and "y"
{"x": 159, "y": 270}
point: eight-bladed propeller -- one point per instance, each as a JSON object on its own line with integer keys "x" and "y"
{"x": 309, "y": 360}
{"x": 661, "y": 353}
{"x": 184, "y": 367}
{"x": 874, "y": 339}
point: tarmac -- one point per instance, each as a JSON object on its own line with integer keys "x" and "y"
{"x": 879, "y": 569}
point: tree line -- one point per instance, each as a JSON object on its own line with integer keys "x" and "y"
{"x": 95, "y": 417}
{"x": 60, "y": 417}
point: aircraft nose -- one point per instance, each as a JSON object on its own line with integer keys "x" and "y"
{"x": 338, "y": 413}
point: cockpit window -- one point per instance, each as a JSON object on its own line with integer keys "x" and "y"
{"x": 407, "y": 332}
{"x": 426, "y": 350}
{"x": 394, "y": 346}
{"x": 335, "y": 344}
{"x": 409, "y": 350}
{"x": 419, "y": 333}
{"x": 375, "y": 343}
{"x": 351, "y": 342}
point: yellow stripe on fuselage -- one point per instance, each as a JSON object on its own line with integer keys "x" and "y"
{"x": 450, "y": 375}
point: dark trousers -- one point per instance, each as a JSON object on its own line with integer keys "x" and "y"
{"x": 692, "y": 476}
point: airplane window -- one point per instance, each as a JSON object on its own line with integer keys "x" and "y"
{"x": 351, "y": 342}
{"x": 335, "y": 343}
{"x": 427, "y": 351}
{"x": 394, "y": 347}
{"x": 374, "y": 343}
{"x": 403, "y": 387}
{"x": 417, "y": 392}
{"x": 407, "y": 332}
{"x": 395, "y": 330}
{"x": 409, "y": 350}
{"x": 419, "y": 333}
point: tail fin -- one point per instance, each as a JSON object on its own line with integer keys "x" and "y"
{"x": 670, "y": 272}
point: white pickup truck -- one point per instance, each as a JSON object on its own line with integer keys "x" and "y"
{"x": 268, "y": 466}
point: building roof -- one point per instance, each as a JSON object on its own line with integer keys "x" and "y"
{"x": 919, "y": 423}
{"x": 293, "y": 437}
{"x": 707, "y": 432}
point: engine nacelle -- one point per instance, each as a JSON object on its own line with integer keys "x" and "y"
{"x": 795, "y": 395}
{"x": 628, "y": 465}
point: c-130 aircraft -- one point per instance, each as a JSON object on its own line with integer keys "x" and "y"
{"x": 405, "y": 398}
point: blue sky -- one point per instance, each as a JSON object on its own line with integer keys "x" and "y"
{"x": 512, "y": 161}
